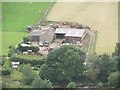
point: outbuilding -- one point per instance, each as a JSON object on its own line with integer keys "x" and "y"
{"x": 70, "y": 34}
{"x": 41, "y": 35}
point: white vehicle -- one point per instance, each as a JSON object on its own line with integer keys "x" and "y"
{"x": 46, "y": 43}
{"x": 41, "y": 44}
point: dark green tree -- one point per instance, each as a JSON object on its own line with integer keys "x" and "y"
{"x": 104, "y": 67}
{"x": 39, "y": 83}
{"x": 113, "y": 79}
{"x": 25, "y": 39}
{"x": 6, "y": 68}
{"x": 12, "y": 51}
{"x": 28, "y": 74}
{"x": 99, "y": 68}
{"x": 92, "y": 68}
{"x": 116, "y": 57}
{"x": 63, "y": 64}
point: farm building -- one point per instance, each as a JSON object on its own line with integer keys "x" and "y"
{"x": 70, "y": 35}
{"x": 41, "y": 35}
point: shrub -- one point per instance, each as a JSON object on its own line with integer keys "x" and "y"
{"x": 25, "y": 39}
{"x": 71, "y": 85}
{"x": 33, "y": 48}
{"x": 25, "y": 60}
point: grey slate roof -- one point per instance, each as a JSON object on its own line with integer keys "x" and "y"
{"x": 35, "y": 33}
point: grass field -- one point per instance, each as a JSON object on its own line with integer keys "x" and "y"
{"x": 101, "y": 16}
{"x": 16, "y": 16}
{"x": 11, "y": 38}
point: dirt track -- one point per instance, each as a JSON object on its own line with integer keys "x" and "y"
{"x": 100, "y": 16}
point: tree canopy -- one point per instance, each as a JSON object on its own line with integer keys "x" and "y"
{"x": 28, "y": 74}
{"x": 39, "y": 83}
{"x": 63, "y": 64}
{"x": 71, "y": 85}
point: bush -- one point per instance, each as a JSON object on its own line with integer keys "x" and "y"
{"x": 71, "y": 85}
{"x": 25, "y": 39}
{"x": 6, "y": 68}
{"x": 5, "y": 72}
{"x": 23, "y": 60}
{"x": 39, "y": 83}
{"x": 100, "y": 85}
{"x": 12, "y": 51}
{"x": 33, "y": 48}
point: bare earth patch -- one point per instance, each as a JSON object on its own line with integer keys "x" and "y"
{"x": 101, "y": 16}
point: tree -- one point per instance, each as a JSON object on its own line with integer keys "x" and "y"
{"x": 92, "y": 68}
{"x": 16, "y": 76}
{"x": 100, "y": 85}
{"x": 105, "y": 67}
{"x": 71, "y": 85}
{"x": 63, "y": 64}
{"x": 25, "y": 39}
{"x": 100, "y": 67}
{"x": 6, "y": 69}
{"x": 116, "y": 57}
{"x": 47, "y": 84}
{"x": 12, "y": 51}
{"x": 28, "y": 74}
{"x": 39, "y": 83}
{"x": 113, "y": 79}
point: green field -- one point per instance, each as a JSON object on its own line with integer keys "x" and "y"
{"x": 11, "y": 38}
{"x": 16, "y": 16}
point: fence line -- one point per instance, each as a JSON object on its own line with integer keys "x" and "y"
{"x": 42, "y": 19}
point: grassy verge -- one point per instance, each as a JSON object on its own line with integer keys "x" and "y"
{"x": 86, "y": 41}
{"x": 94, "y": 44}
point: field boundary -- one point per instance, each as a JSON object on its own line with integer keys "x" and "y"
{"x": 91, "y": 48}
{"x": 43, "y": 18}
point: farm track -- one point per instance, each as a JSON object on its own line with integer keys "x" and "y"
{"x": 91, "y": 44}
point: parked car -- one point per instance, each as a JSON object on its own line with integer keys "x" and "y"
{"x": 46, "y": 43}
{"x": 41, "y": 44}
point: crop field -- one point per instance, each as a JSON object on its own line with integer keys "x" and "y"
{"x": 16, "y": 16}
{"x": 100, "y": 16}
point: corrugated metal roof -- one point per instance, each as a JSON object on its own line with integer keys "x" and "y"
{"x": 70, "y": 32}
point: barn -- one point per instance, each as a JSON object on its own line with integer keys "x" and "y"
{"x": 70, "y": 34}
{"x": 34, "y": 35}
{"x": 41, "y": 35}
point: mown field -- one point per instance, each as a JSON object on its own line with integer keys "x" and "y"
{"x": 16, "y": 16}
{"x": 11, "y": 38}
{"x": 101, "y": 16}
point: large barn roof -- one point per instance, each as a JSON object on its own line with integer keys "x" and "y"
{"x": 70, "y": 32}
